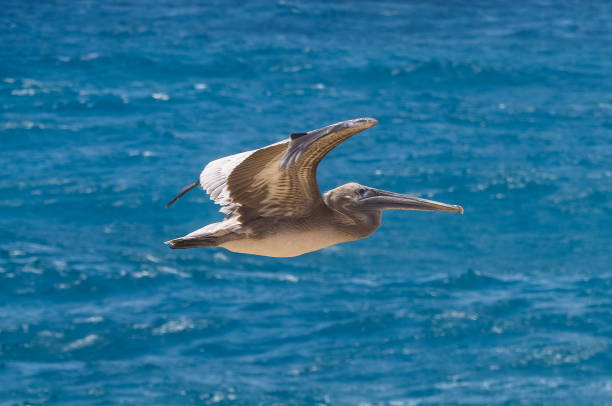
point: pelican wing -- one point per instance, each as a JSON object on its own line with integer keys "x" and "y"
{"x": 213, "y": 179}
{"x": 278, "y": 180}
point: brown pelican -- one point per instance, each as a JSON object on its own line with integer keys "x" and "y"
{"x": 273, "y": 204}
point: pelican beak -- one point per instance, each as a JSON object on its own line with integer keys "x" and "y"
{"x": 383, "y": 200}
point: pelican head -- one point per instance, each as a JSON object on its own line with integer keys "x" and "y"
{"x": 353, "y": 198}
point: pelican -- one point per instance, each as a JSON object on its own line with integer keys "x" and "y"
{"x": 273, "y": 205}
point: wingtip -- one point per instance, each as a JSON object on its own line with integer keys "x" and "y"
{"x": 366, "y": 122}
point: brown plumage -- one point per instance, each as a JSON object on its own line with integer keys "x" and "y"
{"x": 273, "y": 204}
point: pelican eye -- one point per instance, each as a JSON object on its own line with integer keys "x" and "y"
{"x": 361, "y": 192}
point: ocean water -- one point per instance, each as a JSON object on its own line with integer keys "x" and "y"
{"x": 109, "y": 108}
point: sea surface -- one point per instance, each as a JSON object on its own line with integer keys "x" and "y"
{"x": 108, "y": 108}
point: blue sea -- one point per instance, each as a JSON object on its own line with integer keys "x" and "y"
{"x": 107, "y": 109}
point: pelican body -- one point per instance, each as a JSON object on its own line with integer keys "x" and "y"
{"x": 273, "y": 205}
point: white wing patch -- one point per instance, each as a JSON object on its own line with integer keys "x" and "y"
{"x": 213, "y": 178}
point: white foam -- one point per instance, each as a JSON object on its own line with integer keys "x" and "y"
{"x": 174, "y": 326}
{"x": 160, "y": 96}
{"x": 289, "y": 278}
{"x": 82, "y": 342}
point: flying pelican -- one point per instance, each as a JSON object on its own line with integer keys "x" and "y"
{"x": 274, "y": 207}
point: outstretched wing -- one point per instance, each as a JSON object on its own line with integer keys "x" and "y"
{"x": 278, "y": 180}
{"x": 213, "y": 178}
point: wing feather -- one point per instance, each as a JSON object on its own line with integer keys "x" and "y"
{"x": 278, "y": 180}
{"x": 214, "y": 177}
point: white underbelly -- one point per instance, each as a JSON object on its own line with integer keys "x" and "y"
{"x": 286, "y": 244}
